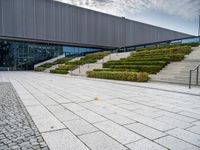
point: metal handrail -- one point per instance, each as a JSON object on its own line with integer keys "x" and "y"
{"x": 197, "y": 75}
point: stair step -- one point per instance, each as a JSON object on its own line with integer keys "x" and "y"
{"x": 178, "y": 72}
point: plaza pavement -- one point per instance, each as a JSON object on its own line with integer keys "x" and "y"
{"x": 77, "y": 113}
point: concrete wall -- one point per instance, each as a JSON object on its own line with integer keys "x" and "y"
{"x": 55, "y": 22}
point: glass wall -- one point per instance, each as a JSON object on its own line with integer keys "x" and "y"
{"x": 78, "y": 50}
{"x": 23, "y": 55}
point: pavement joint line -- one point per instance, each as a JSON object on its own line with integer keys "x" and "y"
{"x": 139, "y": 86}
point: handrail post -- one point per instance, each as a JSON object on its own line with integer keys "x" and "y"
{"x": 197, "y": 76}
{"x": 190, "y": 79}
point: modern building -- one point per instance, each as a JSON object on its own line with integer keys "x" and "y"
{"x": 32, "y": 31}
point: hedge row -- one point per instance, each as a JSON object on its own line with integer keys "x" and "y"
{"x": 143, "y": 68}
{"x": 195, "y": 44}
{"x": 160, "y": 63}
{"x": 117, "y": 70}
{"x": 163, "y": 57}
{"x": 125, "y": 76}
{"x": 180, "y": 50}
{"x": 89, "y": 58}
{"x": 57, "y": 71}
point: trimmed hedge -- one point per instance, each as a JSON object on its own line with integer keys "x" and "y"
{"x": 92, "y": 58}
{"x": 167, "y": 57}
{"x": 47, "y": 65}
{"x": 89, "y": 58}
{"x": 194, "y": 44}
{"x": 180, "y": 50}
{"x": 125, "y": 76}
{"x": 65, "y": 67}
{"x": 160, "y": 63}
{"x": 58, "y": 71}
{"x": 143, "y": 68}
{"x": 117, "y": 70}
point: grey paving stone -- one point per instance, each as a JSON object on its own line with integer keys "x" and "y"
{"x": 98, "y": 109}
{"x": 175, "y": 144}
{"x": 74, "y": 107}
{"x": 56, "y": 108}
{"x": 118, "y": 132}
{"x": 63, "y": 140}
{"x": 79, "y": 127}
{"x": 197, "y": 123}
{"x": 177, "y": 116}
{"x": 117, "y": 118}
{"x": 17, "y": 130}
{"x": 90, "y": 116}
{"x": 186, "y": 136}
{"x": 66, "y": 115}
{"x": 195, "y": 129}
{"x": 174, "y": 122}
{"x": 145, "y": 144}
{"x": 100, "y": 141}
{"x": 145, "y": 131}
{"x": 151, "y": 122}
{"x": 190, "y": 114}
{"x": 45, "y": 124}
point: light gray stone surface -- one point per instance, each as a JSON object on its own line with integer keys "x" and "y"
{"x": 80, "y": 126}
{"x": 118, "y": 132}
{"x": 100, "y": 141}
{"x": 145, "y": 144}
{"x": 17, "y": 130}
{"x": 195, "y": 129}
{"x": 145, "y": 131}
{"x": 186, "y": 136}
{"x": 126, "y": 113}
{"x": 175, "y": 144}
{"x": 63, "y": 140}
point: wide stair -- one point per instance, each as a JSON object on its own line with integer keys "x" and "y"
{"x": 178, "y": 72}
{"x": 82, "y": 70}
{"x": 56, "y": 66}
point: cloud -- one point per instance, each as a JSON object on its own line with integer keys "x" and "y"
{"x": 187, "y": 9}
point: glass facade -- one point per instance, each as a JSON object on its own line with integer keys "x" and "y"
{"x": 23, "y": 55}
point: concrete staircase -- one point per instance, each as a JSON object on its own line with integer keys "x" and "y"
{"x": 56, "y": 66}
{"x": 178, "y": 72}
{"x": 99, "y": 64}
{"x": 49, "y": 61}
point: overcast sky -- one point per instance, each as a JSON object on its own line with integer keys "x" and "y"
{"x": 179, "y": 15}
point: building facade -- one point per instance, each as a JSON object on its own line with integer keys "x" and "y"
{"x": 57, "y": 25}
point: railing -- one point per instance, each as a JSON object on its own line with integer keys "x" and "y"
{"x": 197, "y": 76}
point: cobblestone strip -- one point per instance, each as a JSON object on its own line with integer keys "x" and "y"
{"x": 17, "y": 129}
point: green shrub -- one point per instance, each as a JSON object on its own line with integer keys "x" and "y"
{"x": 39, "y": 69}
{"x": 63, "y": 60}
{"x": 195, "y": 44}
{"x": 92, "y": 58}
{"x": 58, "y": 71}
{"x": 125, "y": 76}
{"x": 65, "y": 67}
{"x": 47, "y": 65}
{"x": 177, "y": 50}
{"x": 117, "y": 70}
{"x": 143, "y": 68}
{"x": 166, "y": 57}
{"x": 161, "y": 63}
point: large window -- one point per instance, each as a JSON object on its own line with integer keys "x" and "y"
{"x": 23, "y": 56}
